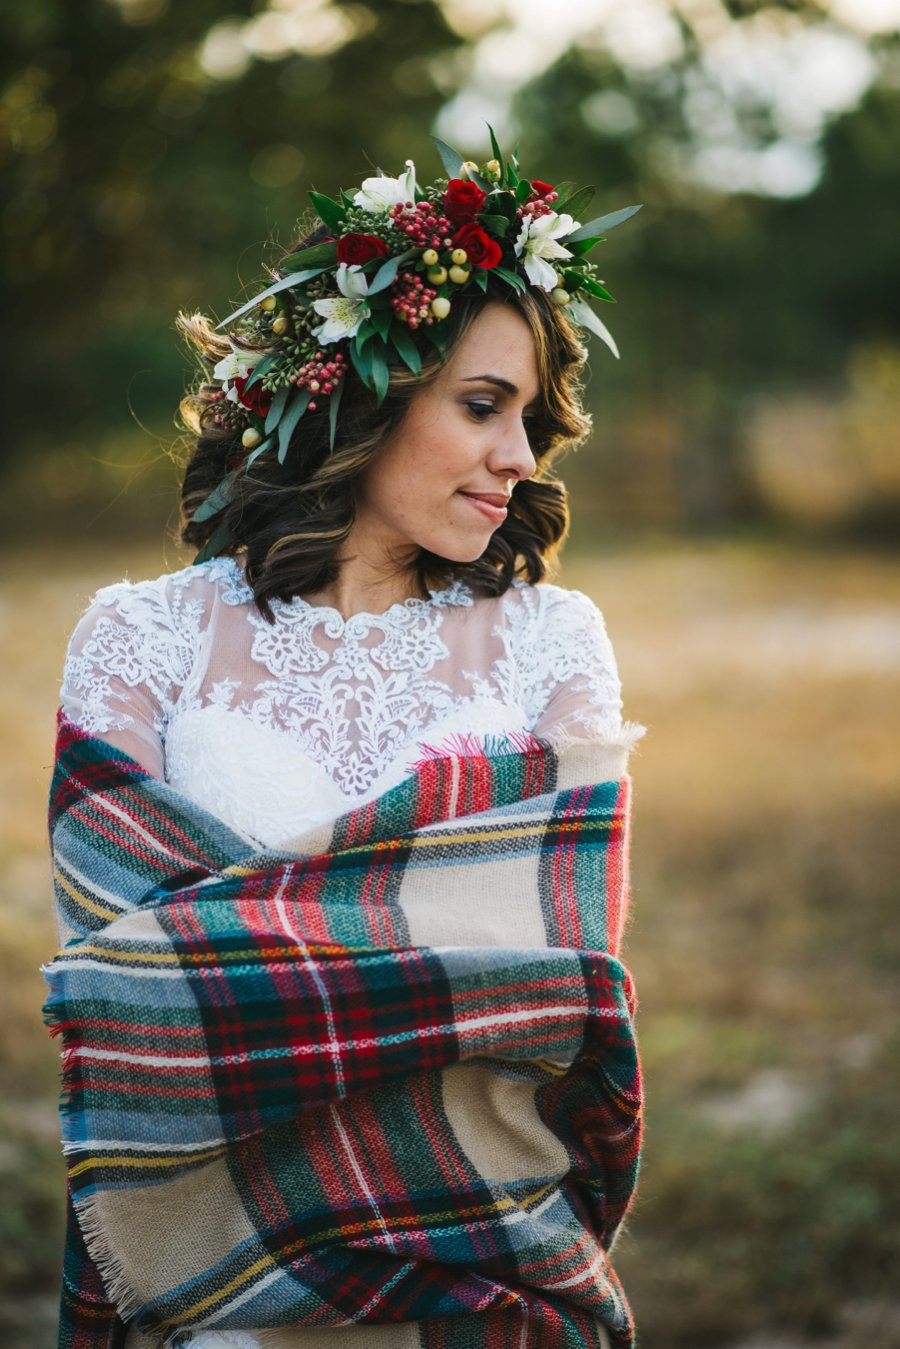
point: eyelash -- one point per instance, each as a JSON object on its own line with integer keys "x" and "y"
{"x": 476, "y": 408}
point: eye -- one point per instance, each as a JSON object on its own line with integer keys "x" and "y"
{"x": 481, "y": 411}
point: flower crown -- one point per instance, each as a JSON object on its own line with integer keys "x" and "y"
{"x": 395, "y": 256}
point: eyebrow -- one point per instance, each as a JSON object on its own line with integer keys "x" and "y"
{"x": 501, "y": 383}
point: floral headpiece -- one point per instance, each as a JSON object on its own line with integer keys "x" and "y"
{"x": 396, "y": 256}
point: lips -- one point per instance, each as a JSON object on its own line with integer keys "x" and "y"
{"x": 492, "y": 505}
{"x": 492, "y": 498}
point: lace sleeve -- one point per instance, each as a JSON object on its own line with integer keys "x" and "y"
{"x": 126, "y": 661}
{"x": 577, "y": 692}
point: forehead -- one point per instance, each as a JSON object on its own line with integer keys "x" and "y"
{"x": 498, "y": 342}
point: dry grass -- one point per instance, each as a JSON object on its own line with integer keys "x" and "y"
{"x": 763, "y": 936}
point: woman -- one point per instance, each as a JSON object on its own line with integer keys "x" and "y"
{"x": 366, "y": 602}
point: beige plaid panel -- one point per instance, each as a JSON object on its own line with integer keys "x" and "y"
{"x": 498, "y": 1127}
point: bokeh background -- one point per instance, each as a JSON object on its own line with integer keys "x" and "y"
{"x": 736, "y": 517}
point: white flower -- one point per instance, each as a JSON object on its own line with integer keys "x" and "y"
{"x": 538, "y": 241}
{"x": 237, "y": 362}
{"x": 345, "y": 312}
{"x": 377, "y": 194}
{"x": 583, "y": 314}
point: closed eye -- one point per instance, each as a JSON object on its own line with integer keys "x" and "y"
{"x": 481, "y": 411}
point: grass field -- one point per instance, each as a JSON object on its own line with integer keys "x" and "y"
{"x": 764, "y": 935}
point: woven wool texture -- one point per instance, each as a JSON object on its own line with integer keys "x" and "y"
{"x": 383, "y": 1079}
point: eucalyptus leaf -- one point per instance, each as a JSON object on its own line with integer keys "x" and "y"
{"x": 259, "y": 370}
{"x": 217, "y": 499}
{"x": 214, "y": 544}
{"x": 283, "y": 283}
{"x": 260, "y": 449}
{"x": 582, "y": 313}
{"x": 273, "y": 416}
{"x": 334, "y": 402}
{"x": 406, "y": 347}
{"x": 451, "y": 159}
{"x": 292, "y": 415}
{"x": 603, "y": 224}
{"x": 388, "y": 271}
{"x": 330, "y": 211}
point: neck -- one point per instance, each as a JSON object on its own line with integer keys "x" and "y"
{"x": 362, "y": 587}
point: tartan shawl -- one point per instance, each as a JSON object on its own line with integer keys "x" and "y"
{"x": 383, "y": 1078}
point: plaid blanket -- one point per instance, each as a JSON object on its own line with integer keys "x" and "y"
{"x": 383, "y": 1078}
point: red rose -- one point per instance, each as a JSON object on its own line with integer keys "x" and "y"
{"x": 359, "y": 248}
{"x": 481, "y": 249}
{"x": 540, "y": 189}
{"x": 462, "y": 201}
{"x": 256, "y": 398}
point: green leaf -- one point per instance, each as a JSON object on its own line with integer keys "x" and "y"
{"x": 260, "y": 369}
{"x": 346, "y": 199}
{"x": 362, "y": 363}
{"x": 217, "y": 499}
{"x": 330, "y": 211}
{"x": 603, "y": 224}
{"x": 260, "y": 449}
{"x": 214, "y": 544}
{"x": 495, "y": 147}
{"x": 438, "y": 335}
{"x": 388, "y": 270}
{"x": 365, "y": 330}
{"x": 406, "y": 347}
{"x": 512, "y": 177}
{"x": 381, "y": 320}
{"x": 481, "y": 278}
{"x": 523, "y": 189}
{"x": 497, "y": 225}
{"x": 298, "y": 406}
{"x": 380, "y": 372}
{"x": 511, "y": 278}
{"x": 334, "y": 402}
{"x": 315, "y": 255}
{"x": 586, "y": 317}
{"x": 563, "y": 192}
{"x": 596, "y": 288}
{"x": 273, "y": 416}
{"x": 284, "y": 283}
{"x": 579, "y": 202}
{"x": 580, "y": 247}
{"x": 451, "y": 159}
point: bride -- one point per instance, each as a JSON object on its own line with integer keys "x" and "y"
{"x": 373, "y": 497}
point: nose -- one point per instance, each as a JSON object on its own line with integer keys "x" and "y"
{"x": 513, "y": 456}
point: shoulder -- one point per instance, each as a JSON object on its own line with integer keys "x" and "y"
{"x": 176, "y": 599}
{"x": 552, "y": 609}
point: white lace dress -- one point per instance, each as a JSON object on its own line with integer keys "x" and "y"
{"x": 275, "y": 727}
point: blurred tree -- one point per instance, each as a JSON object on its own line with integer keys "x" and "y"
{"x": 145, "y": 144}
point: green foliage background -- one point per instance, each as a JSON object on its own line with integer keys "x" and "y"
{"x": 135, "y": 183}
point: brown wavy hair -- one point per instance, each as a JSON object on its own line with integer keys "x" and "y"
{"x": 293, "y": 518}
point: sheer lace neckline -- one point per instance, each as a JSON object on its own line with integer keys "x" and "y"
{"x": 241, "y": 592}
